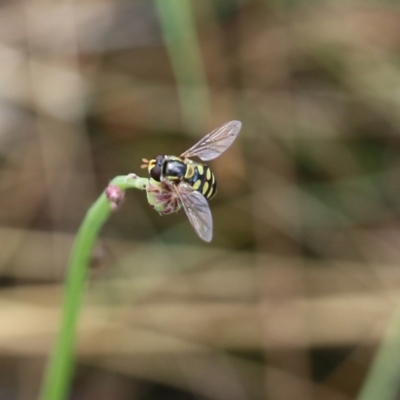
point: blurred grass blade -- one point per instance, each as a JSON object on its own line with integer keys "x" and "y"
{"x": 180, "y": 36}
{"x": 383, "y": 380}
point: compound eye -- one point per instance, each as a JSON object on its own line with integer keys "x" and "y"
{"x": 156, "y": 173}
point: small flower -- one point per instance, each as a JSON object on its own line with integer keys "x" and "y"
{"x": 162, "y": 197}
{"x": 114, "y": 195}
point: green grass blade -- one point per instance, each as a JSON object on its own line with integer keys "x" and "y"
{"x": 179, "y": 30}
{"x": 384, "y": 376}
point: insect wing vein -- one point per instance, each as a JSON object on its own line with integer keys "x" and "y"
{"x": 214, "y": 143}
{"x": 197, "y": 210}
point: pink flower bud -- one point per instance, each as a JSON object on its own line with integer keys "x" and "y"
{"x": 114, "y": 195}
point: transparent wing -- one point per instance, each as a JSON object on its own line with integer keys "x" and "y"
{"x": 215, "y": 143}
{"x": 197, "y": 209}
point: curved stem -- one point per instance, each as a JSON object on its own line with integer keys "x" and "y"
{"x": 60, "y": 367}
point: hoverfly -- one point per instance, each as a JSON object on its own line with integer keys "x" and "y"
{"x": 194, "y": 183}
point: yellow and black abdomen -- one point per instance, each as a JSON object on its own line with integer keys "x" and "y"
{"x": 198, "y": 176}
{"x": 202, "y": 179}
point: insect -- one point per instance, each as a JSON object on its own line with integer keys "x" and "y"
{"x": 193, "y": 182}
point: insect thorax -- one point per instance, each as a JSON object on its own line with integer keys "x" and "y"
{"x": 174, "y": 168}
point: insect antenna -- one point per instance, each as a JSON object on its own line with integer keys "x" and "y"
{"x": 145, "y": 163}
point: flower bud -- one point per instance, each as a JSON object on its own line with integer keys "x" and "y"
{"x": 162, "y": 197}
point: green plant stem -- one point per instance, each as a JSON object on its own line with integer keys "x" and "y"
{"x": 60, "y": 366}
{"x": 384, "y": 376}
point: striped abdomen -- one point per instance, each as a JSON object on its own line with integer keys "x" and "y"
{"x": 201, "y": 178}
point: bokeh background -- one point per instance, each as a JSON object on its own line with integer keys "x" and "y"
{"x": 294, "y": 294}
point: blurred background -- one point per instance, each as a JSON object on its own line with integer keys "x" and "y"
{"x": 293, "y": 296}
